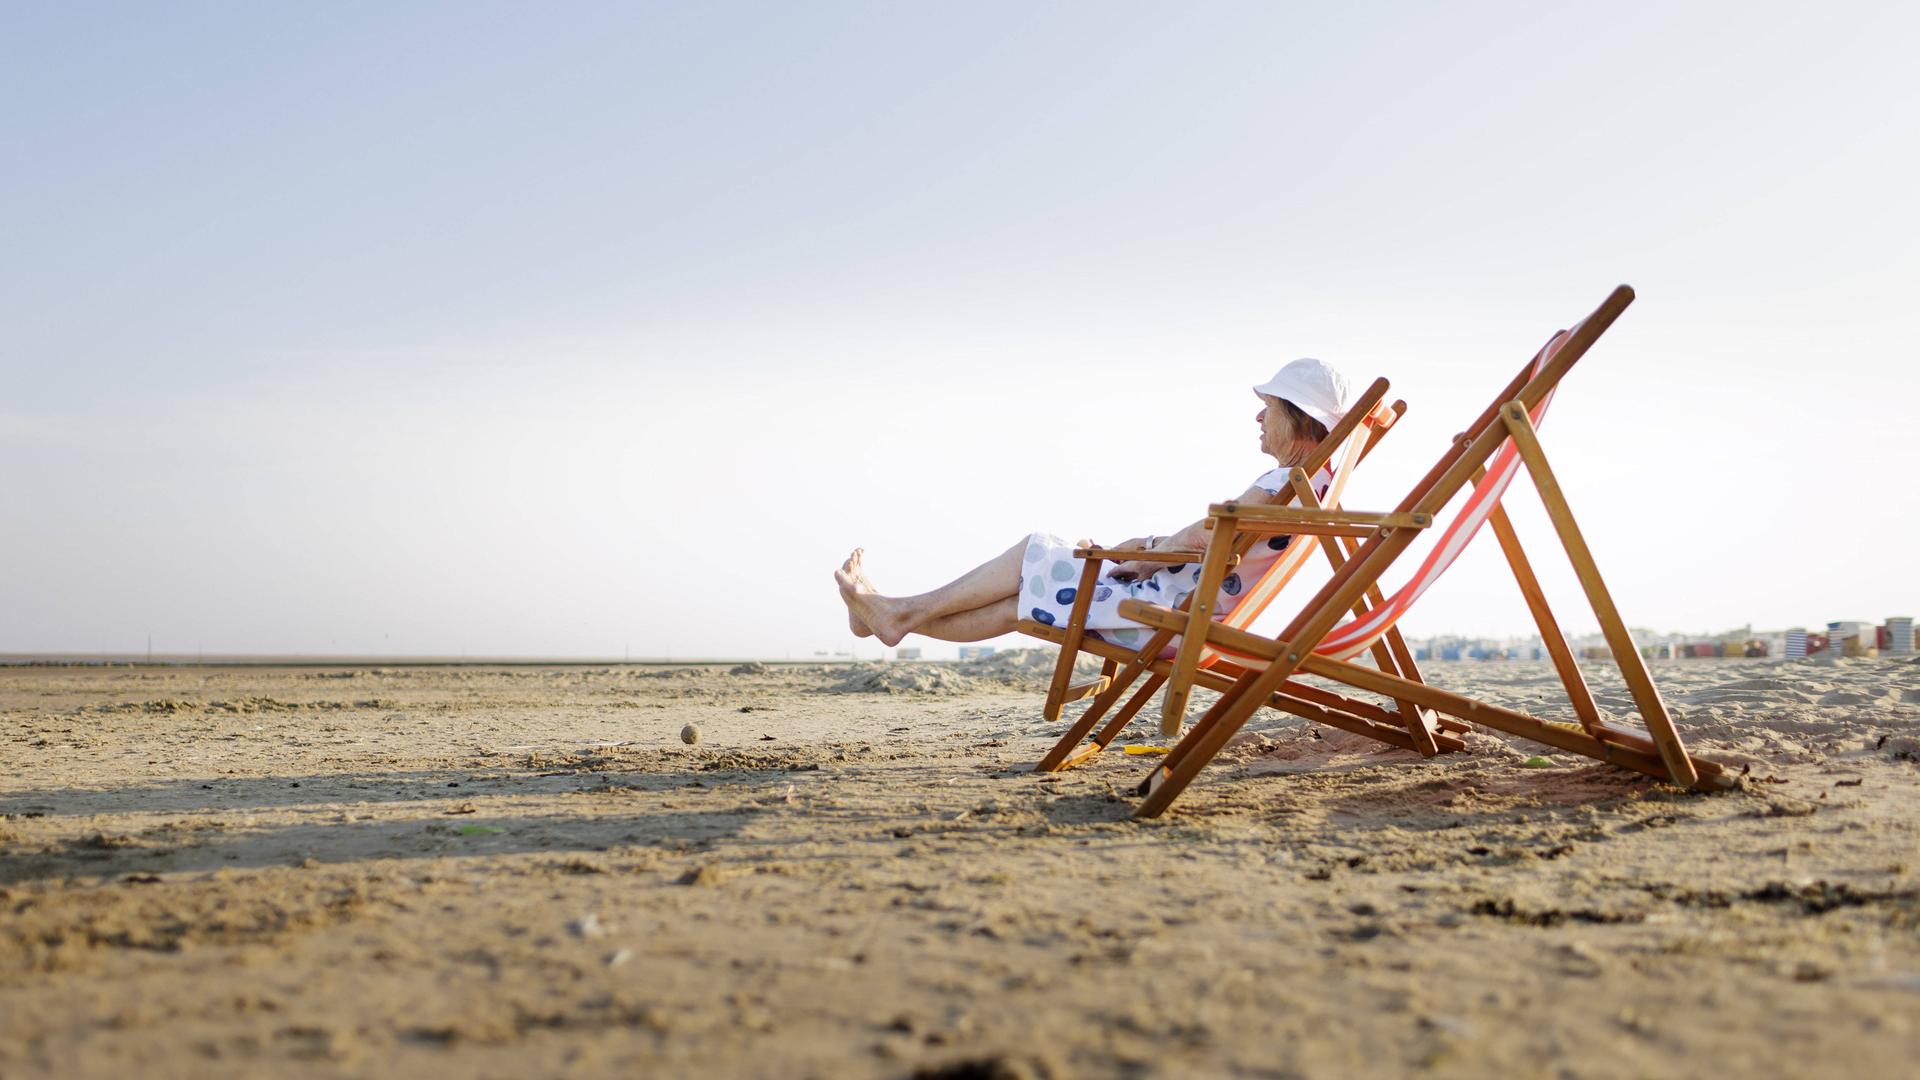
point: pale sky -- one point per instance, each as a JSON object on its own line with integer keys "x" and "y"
{"x": 570, "y": 329}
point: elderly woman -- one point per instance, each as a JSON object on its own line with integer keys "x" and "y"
{"x": 1036, "y": 577}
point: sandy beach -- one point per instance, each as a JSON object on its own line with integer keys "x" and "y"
{"x": 520, "y": 872}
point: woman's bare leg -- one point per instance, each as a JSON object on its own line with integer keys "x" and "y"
{"x": 891, "y": 618}
{"x": 977, "y": 625}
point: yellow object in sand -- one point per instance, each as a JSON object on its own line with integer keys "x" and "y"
{"x": 1143, "y": 751}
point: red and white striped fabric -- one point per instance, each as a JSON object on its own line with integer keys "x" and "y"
{"x": 1357, "y": 635}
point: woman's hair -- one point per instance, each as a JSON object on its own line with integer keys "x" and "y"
{"x": 1307, "y": 432}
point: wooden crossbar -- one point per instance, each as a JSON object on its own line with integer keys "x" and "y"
{"x": 1079, "y": 691}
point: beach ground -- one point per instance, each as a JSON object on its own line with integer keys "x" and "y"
{"x": 521, "y": 872}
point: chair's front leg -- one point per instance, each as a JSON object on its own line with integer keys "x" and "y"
{"x": 1186, "y": 662}
{"x": 1070, "y": 648}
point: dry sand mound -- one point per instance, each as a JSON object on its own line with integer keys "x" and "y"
{"x": 1015, "y": 668}
{"x": 903, "y": 679}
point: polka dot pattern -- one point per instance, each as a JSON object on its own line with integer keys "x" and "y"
{"x": 1050, "y": 576}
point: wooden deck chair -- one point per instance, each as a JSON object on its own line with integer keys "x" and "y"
{"x": 1489, "y": 454}
{"x": 1341, "y": 452}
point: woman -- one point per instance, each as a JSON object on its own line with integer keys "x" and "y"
{"x": 1036, "y": 578}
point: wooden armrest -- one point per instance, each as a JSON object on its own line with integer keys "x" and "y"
{"x": 1161, "y": 555}
{"x": 1266, "y": 518}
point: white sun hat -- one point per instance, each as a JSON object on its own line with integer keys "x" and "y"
{"x": 1314, "y": 385}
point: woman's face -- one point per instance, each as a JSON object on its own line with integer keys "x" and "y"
{"x": 1276, "y": 433}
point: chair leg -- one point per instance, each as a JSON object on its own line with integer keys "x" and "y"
{"x": 1558, "y": 650}
{"x": 1182, "y": 749}
{"x": 1296, "y": 644}
{"x": 1119, "y": 722}
{"x": 1213, "y": 571}
{"x": 1411, "y": 716}
{"x": 1057, "y": 758}
{"x": 1410, "y": 671}
{"x": 1633, "y": 668}
{"x": 1206, "y": 740}
{"x": 1070, "y": 646}
{"x": 1062, "y": 755}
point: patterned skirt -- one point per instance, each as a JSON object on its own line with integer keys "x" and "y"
{"x": 1050, "y": 583}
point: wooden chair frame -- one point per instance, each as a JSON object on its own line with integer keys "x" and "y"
{"x": 1411, "y": 728}
{"x": 1659, "y": 752}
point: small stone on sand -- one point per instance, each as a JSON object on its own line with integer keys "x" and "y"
{"x": 689, "y": 734}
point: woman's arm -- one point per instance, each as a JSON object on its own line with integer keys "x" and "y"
{"x": 1191, "y": 537}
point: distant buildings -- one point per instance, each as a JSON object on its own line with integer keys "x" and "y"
{"x": 1895, "y": 636}
{"x": 975, "y": 652}
{"x": 1451, "y": 647}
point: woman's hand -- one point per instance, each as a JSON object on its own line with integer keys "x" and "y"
{"x": 1134, "y": 569}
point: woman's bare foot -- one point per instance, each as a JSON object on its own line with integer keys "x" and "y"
{"x": 851, "y": 572}
{"x": 868, "y": 613}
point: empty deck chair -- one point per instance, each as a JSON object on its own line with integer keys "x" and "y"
{"x": 1316, "y": 642}
{"x": 1339, "y": 454}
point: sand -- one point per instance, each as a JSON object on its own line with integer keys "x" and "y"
{"x": 525, "y": 872}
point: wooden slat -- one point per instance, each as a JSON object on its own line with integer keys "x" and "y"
{"x": 1633, "y": 668}
{"x": 1079, "y": 691}
{"x": 1234, "y": 639}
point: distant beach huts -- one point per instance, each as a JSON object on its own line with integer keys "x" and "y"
{"x": 1900, "y": 635}
{"x": 1844, "y": 638}
{"x": 1796, "y": 644}
{"x": 1851, "y": 637}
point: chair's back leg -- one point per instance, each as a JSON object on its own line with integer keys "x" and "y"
{"x": 1410, "y": 715}
{"x": 1557, "y": 648}
{"x": 1633, "y": 668}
